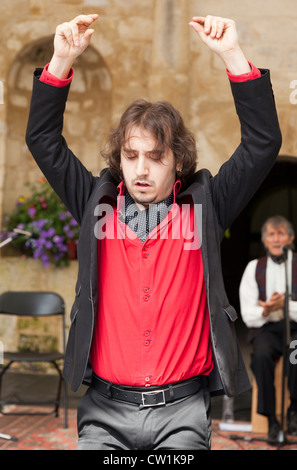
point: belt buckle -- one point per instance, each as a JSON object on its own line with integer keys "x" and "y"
{"x": 155, "y": 392}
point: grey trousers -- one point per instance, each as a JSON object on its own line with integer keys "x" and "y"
{"x": 108, "y": 424}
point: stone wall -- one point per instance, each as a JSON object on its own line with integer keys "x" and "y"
{"x": 140, "y": 49}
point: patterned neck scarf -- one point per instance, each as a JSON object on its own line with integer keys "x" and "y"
{"x": 142, "y": 222}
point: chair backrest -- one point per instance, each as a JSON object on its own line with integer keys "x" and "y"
{"x": 31, "y": 303}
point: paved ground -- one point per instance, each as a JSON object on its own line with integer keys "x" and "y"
{"x": 48, "y": 433}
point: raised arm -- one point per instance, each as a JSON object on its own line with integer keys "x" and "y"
{"x": 239, "y": 178}
{"x": 71, "y": 40}
{"x": 66, "y": 174}
{"x": 220, "y": 35}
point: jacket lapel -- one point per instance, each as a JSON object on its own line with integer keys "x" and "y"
{"x": 106, "y": 188}
{"x": 197, "y": 192}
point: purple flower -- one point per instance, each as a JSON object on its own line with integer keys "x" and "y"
{"x": 32, "y": 211}
{"x": 39, "y": 223}
{"x": 62, "y": 216}
{"x": 62, "y": 247}
{"x": 45, "y": 260}
{"x": 47, "y": 233}
{"x": 58, "y": 239}
{"x": 51, "y": 232}
{"x": 70, "y": 234}
{"x": 38, "y": 253}
{"x": 41, "y": 240}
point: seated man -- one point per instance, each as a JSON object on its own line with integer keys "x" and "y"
{"x": 262, "y": 292}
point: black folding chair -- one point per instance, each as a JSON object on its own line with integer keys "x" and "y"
{"x": 35, "y": 304}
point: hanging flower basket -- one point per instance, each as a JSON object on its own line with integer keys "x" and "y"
{"x": 55, "y": 231}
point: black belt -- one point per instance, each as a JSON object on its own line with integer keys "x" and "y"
{"x": 149, "y": 396}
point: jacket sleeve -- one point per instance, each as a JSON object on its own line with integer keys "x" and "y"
{"x": 66, "y": 174}
{"x": 240, "y": 177}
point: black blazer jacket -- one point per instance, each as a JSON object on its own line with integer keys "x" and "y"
{"x": 222, "y": 197}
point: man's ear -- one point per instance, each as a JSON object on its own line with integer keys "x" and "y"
{"x": 179, "y": 167}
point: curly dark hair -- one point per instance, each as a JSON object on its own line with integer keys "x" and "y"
{"x": 165, "y": 123}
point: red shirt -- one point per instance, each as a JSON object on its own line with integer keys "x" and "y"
{"x": 152, "y": 325}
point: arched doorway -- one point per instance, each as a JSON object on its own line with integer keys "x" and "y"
{"x": 277, "y": 195}
{"x": 87, "y": 115}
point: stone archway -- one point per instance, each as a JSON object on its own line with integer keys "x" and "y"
{"x": 87, "y": 115}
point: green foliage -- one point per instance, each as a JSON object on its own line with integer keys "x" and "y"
{"x": 55, "y": 231}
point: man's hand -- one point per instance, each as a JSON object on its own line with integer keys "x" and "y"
{"x": 275, "y": 303}
{"x": 71, "y": 40}
{"x": 220, "y": 35}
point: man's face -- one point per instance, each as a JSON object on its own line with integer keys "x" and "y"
{"x": 276, "y": 238}
{"x": 148, "y": 178}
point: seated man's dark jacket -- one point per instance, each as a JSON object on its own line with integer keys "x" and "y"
{"x": 221, "y": 197}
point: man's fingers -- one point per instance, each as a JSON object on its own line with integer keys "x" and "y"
{"x": 70, "y": 33}
{"x": 210, "y": 25}
{"x": 73, "y": 30}
{"x": 85, "y": 20}
{"x": 220, "y": 28}
{"x": 87, "y": 36}
{"x": 75, "y": 34}
{"x": 65, "y": 31}
{"x": 213, "y": 28}
{"x": 199, "y": 19}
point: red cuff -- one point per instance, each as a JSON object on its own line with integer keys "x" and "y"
{"x": 50, "y": 79}
{"x": 244, "y": 77}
